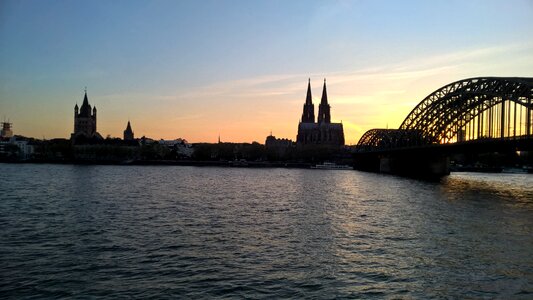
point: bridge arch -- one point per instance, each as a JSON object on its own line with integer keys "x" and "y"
{"x": 468, "y": 109}
{"x": 476, "y": 107}
{"x": 383, "y": 139}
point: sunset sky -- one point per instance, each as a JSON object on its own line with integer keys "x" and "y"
{"x": 197, "y": 69}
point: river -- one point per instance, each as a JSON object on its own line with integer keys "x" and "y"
{"x": 71, "y": 231}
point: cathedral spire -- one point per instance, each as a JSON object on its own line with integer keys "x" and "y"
{"x": 308, "y": 115}
{"x": 324, "y": 108}
{"x": 309, "y": 98}
{"x": 324, "y": 99}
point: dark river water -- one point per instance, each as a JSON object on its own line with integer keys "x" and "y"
{"x": 188, "y": 232}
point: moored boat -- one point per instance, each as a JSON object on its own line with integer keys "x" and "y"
{"x": 331, "y": 166}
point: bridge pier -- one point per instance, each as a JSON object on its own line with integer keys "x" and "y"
{"x": 414, "y": 164}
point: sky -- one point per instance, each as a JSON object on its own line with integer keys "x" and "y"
{"x": 239, "y": 69}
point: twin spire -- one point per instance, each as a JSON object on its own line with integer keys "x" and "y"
{"x": 324, "y": 99}
{"x": 309, "y": 99}
{"x": 308, "y": 115}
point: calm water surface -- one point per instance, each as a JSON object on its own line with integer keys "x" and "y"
{"x": 186, "y": 232}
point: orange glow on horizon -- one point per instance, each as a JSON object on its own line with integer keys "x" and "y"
{"x": 248, "y": 110}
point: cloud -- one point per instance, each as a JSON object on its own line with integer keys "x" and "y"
{"x": 188, "y": 117}
{"x": 283, "y": 84}
{"x": 258, "y": 86}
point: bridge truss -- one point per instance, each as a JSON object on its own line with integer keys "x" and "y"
{"x": 469, "y": 109}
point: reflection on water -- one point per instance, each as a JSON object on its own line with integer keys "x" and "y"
{"x": 513, "y": 189}
{"x": 111, "y": 231}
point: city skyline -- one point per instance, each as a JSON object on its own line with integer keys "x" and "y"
{"x": 239, "y": 69}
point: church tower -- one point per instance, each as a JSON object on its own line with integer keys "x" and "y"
{"x": 308, "y": 115}
{"x": 324, "y": 109}
{"x": 128, "y": 133}
{"x": 85, "y": 120}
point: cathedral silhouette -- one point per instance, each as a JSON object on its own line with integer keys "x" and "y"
{"x": 322, "y": 132}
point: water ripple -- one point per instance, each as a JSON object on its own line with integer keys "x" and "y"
{"x": 183, "y": 232}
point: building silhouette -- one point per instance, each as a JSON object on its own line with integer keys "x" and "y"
{"x": 322, "y": 132}
{"x": 278, "y": 148}
{"x": 6, "y": 131}
{"x": 128, "y": 133}
{"x": 85, "y": 121}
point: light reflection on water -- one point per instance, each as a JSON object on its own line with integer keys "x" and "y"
{"x": 262, "y": 233}
{"x": 511, "y": 189}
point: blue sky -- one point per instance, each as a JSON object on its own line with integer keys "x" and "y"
{"x": 194, "y": 69}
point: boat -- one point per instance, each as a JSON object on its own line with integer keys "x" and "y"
{"x": 331, "y": 166}
{"x": 515, "y": 170}
{"x": 239, "y": 163}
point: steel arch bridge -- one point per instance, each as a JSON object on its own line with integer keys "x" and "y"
{"x": 465, "y": 110}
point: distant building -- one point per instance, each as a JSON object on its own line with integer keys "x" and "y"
{"x": 6, "y": 131}
{"x": 17, "y": 147}
{"x": 172, "y": 143}
{"x": 323, "y": 132}
{"x": 85, "y": 121}
{"x": 128, "y": 133}
{"x": 146, "y": 140}
{"x": 25, "y": 147}
{"x": 181, "y": 147}
{"x": 278, "y": 148}
{"x": 272, "y": 142}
